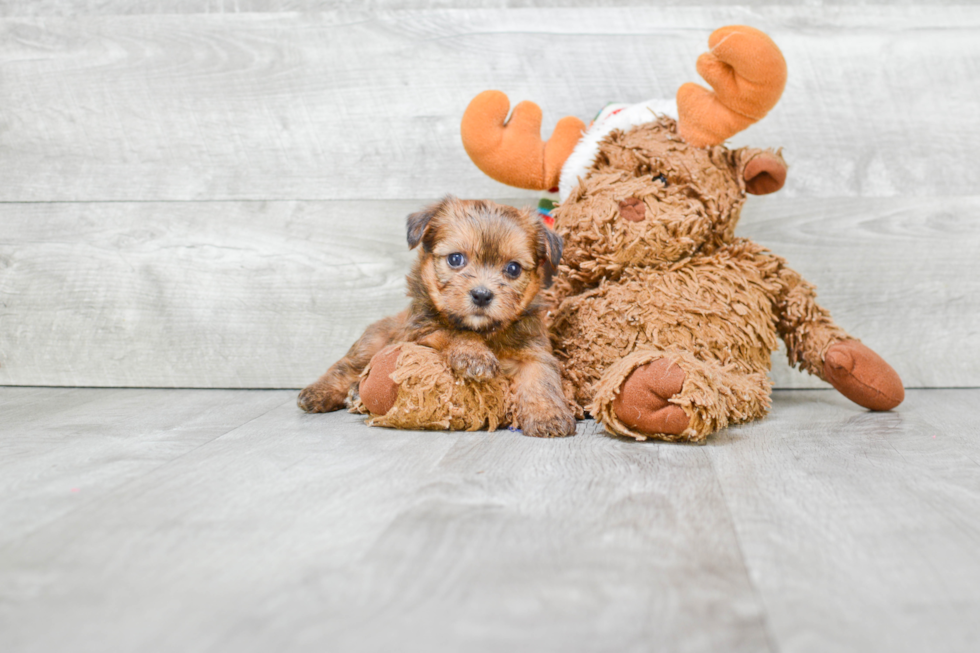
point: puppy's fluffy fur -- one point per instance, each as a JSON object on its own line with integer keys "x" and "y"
{"x": 475, "y": 297}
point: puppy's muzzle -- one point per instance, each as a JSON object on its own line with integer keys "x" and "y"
{"x": 481, "y": 296}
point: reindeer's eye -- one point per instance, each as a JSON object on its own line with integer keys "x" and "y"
{"x": 456, "y": 260}
{"x": 513, "y": 269}
{"x": 661, "y": 179}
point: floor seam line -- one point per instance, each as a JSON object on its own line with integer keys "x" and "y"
{"x": 766, "y": 628}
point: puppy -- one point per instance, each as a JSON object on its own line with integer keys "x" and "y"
{"x": 474, "y": 293}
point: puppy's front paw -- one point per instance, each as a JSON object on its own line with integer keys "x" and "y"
{"x": 474, "y": 364}
{"x": 545, "y": 420}
{"x": 319, "y": 398}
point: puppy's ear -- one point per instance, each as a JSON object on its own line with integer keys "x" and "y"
{"x": 418, "y": 223}
{"x": 551, "y": 256}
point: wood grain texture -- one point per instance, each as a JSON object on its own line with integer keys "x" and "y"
{"x": 62, "y": 449}
{"x": 354, "y": 104}
{"x": 876, "y": 515}
{"x": 138, "y": 7}
{"x": 821, "y": 528}
{"x": 141, "y": 294}
{"x": 333, "y": 536}
{"x": 269, "y": 294}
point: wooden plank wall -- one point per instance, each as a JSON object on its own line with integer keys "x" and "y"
{"x": 211, "y": 193}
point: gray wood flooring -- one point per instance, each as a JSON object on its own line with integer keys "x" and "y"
{"x": 219, "y": 520}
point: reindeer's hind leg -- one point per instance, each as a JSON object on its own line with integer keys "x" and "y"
{"x": 676, "y": 396}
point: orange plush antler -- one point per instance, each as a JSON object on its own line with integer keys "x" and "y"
{"x": 512, "y": 152}
{"x": 747, "y": 72}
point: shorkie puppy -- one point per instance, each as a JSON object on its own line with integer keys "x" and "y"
{"x": 475, "y": 298}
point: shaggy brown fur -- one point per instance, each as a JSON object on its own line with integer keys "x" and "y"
{"x": 417, "y": 390}
{"x": 660, "y": 307}
{"x": 473, "y": 347}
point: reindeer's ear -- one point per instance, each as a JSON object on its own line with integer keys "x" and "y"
{"x": 418, "y": 223}
{"x": 764, "y": 171}
{"x": 551, "y": 246}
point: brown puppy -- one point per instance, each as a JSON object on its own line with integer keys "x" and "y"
{"x": 475, "y": 297}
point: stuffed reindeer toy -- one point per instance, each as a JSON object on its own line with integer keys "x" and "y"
{"x": 664, "y": 321}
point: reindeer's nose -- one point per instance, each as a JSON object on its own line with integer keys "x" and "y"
{"x": 481, "y": 296}
{"x": 632, "y": 209}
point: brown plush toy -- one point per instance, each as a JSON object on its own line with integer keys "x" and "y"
{"x": 664, "y": 321}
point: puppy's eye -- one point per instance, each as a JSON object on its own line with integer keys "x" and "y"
{"x": 456, "y": 260}
{"x": 661, "y": 179}
{"x": 513, "y": 269}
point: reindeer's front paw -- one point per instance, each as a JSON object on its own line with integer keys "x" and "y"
{"x": 479, "y": 365}
{"x": 321, "y": 398}
{"x": 542, "y": 419}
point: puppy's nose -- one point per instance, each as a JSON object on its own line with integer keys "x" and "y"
{"x": 481, "y": 296}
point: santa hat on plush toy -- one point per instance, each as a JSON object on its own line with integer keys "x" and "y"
{"x": 612, "y": 117}
{"x": 744, "y": 67}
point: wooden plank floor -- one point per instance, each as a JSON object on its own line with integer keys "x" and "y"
{"x": 205, "y": 520}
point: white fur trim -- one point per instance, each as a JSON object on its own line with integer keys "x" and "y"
{"x": 583, "y": 156}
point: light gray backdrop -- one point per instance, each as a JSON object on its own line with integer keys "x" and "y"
{"x": 212, "y": 194}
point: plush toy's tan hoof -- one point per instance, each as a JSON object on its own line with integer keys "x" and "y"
{"x": 377, "y": 390}
{"x": 863, "y": 376}
{"x": 642, "y": 402}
